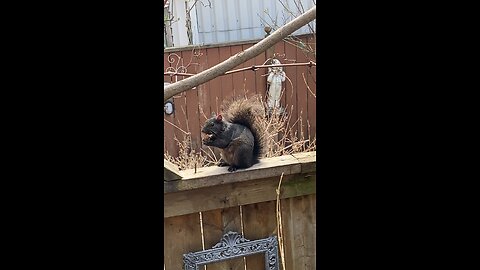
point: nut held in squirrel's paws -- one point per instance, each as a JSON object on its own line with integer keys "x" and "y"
{"x": 207, "y": 137}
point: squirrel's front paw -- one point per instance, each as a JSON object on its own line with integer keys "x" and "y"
{"x": 232, "y": 169}
{"x": 222, "y": 164}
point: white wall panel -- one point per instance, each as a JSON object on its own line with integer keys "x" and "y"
{"x": 233, "y": 20}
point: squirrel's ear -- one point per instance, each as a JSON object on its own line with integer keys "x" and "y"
{"x": 219, "y": 118}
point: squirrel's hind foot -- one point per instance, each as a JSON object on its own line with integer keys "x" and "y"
{"x": 232, "y": 169}
{"x": 223, "y": 164}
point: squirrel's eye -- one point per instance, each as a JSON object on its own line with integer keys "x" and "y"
{"x": 211, "y": 124}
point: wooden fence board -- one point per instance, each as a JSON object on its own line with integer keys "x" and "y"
{"x": 212, "y": 229}
{"x": 170, "y": 171}
{"x": 180, "y": 101}
{"x": 210, "y": 176}
{"x": 191, "y": 105}
{"x": 259, "y": 221}
{"x": 298, "y": 216}
{"x": 311, "y": 229}
{"x": 227, "y": 80}
{"x": 229, "y": 195}
{"x": 181, "y": 235}
{"x": 215, "y": 224}
{"x": 180, "y": 119}
{"x": 260, "y": 80}
{"x": 166, "y": 64}
{"x": 287, "y": 227}
{"x": 212, "y": 188}
{"x": 290, "y": 89}
{"x": 312, "y": 100}
{"x": 215, "y": 91}
{"x": 203, "y": 89}
{"x": 307, "y": 161}
{"x": 301, "y": 93}
{"x": 238, "y": 78}
{"x": 215, "y": 85}
{"x": 249, "y": 76}
{"x": 168, "y": 146}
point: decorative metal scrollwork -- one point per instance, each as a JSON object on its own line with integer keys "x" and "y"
{"x": 234, "y": 245}
{"x": 178, "y": 65}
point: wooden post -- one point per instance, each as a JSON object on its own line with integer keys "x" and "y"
{"x": 170, "y": 171}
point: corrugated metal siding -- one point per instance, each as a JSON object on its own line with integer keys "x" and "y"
{"x": 178, "y": 25}
{"x": 235, "y": 20}
{"x": 221, "y": 21}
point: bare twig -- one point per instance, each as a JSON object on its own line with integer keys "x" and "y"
{"x": 308, "y": 87}
{"x": 253, "y": 68}
{"x": 172, "y": 73}
{"x": 184, "y": 132}
{"x": 279, "y": 225}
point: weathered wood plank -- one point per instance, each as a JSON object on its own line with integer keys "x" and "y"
{"x": 249, "y": 76}
{"x": 227, "y": 80}
{"x": 237, "y": 78}
{"x": 302, "y": 94}
{"x": 310, "y": 75}
{"x": 260, "y": 81}
{"x": 307, "y": 160}
{"x": 170, "y": 171}
{"x": 299, "y": 228}
{"x": 259, "y": 221}
{"x": 311, "y": 229}
{"x": 181, "y": 235}
{"x": 290, "y": 89}
{"x": 215, "y": 91}
{"x": 212, "y": 229}
{"x": 215, "y": 85}
{"x": 212, "y": 176}
{"x": 287, "y": 225}
{"x": 234, "y": 194}
{"x": 169, "y": 146}
{"x": 215, "y": 224}
{"x": 191, "y": 106}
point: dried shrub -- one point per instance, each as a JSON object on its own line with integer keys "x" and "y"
{"x": 283, "y": 138}
{"x": 187, "y": 157}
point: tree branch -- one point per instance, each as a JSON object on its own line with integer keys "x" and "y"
{"x": 239, "y": 58}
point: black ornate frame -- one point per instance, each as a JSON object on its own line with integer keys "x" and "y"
{"x": 233, "y": 245}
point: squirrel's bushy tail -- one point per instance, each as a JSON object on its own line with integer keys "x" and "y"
{"x": 248, "y": 112}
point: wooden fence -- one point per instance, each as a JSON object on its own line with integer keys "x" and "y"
{"x": 203, "y": 206}
{"x": 193, "y": 106}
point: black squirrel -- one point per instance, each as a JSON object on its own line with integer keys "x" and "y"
{"x": 237, "y": 133}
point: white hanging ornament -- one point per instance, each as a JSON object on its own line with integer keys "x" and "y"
{"x": 275, "y": 78}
